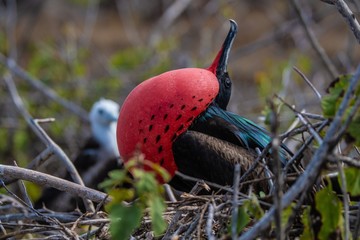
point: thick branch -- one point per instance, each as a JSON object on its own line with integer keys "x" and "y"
{"x": 13, "y": 172}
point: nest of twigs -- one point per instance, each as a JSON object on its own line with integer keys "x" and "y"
{"x": 213, "y": 215}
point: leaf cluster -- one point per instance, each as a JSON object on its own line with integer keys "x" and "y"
{"x": 330, "y": 104}
{"x": 140, "y": 187}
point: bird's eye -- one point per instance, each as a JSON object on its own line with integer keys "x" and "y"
{"x": 227, "y": 82}
{"x": 101, "y": 111}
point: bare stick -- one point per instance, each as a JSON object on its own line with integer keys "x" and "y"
{"x": 348, "y": 160}
{"x": 235, "y": 210}
{"x": 314, "y": 42}
{"x": 46, "y": 219}
{"x": 303, "y": 147}
{"x": 209, "y": 222}
{"x": 277, "y": 172}
{"x": 11, "y": 20}
{"x": 44, "y": 179}
{"x": 90, "y": 20}
{"x": 23, "y": 191}
{"x": 357, "y": 223}
{"x": 308, "y": 82}
{"x": 306, "y": 181}
{"x": 169, "y": 16}
{"x": 170, "y": 193}
{"x": 304, "y": 121}
{"x": 348, "y": 15}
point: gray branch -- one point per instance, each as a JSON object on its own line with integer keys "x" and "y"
{"x": 43, "y": 179}
{"x": 349, "y": 16}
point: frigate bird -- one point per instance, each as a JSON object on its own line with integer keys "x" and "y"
{"x": 179, "y": 120}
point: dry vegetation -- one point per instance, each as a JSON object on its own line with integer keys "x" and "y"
{"x": 58, "y": 57}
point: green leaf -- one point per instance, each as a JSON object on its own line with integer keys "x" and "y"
{"x": 243, "y": 219}
{"x": 116, "y": 177}
{"x": 354, "y": 128}
{"x": 286, "y": 214}
{"x": 253, "y": 207}
{"x": 157, "y": 207}
{"x": 329, "y": 206}
{"x": 122, "y": 194}
{"x": 332, "y": 100}
{"x": 124, "y": 220}
{"x": 352, "y": 176}
{"x": 306, "y": 220}
{"x": 147, "y": 182}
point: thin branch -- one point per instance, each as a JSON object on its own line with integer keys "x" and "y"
{"x": 11, "y": 20}
{"x": 349, "y": 16}
{"x": 170, "y": 193}
{"x": 35, "y": 127}
{"x": 348, "y": 160}
{"x": 23, "y": 191}
{"x": 276, "y": 163}
{"x": 209, "y": 222}
{"x": 356, "y": 232}
{"x": 38, "y": 85}
{"x": 167, "y": 19}
{"x": 235, "y": 206}
{"x": 90, "y": 20}
{"x": 314, "y": 42}
{"x": 303, "y": 120}
{"x": 61, "y": 217}
{"x": 308, "y": 82}
{"x": 303, "y": 147}
{"x": 51, "y": 181}
{"x": 307, "y": 179}
{"x": 44, "y": 218}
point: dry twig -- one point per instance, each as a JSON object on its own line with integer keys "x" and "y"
{"x": 314, "y": 42}
{"x": 348, "y": 15}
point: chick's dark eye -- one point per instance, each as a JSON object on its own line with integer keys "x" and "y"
{"x": 101, "y": 111}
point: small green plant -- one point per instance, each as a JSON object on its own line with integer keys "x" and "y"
{"x": 330, "y": 104}
{"x": 144, "y": 192}
{"x": 330, "y": 208}
{"x": 249, "y": 210}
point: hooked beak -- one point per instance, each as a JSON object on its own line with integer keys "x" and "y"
{"x": 219, "y": 65}
{"x": 219, "y": 68}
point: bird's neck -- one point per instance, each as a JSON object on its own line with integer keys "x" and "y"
{"x": 106, "y": 136}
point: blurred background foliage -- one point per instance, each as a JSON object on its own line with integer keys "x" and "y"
{"x": 88, "y": 49}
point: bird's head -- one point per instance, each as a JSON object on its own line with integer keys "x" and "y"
{"x": 104, "y": 112}
{"x": 219, "y": 67}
